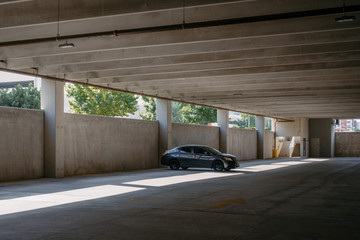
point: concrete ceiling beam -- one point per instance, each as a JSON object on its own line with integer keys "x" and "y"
{"x": 211, "y": 83}
{"x": 199, "y": 61}
{"x": 44, "y": 11}
{"x": 113, "y": 76}
{"x": 231, "y": 90}
{"x": 344, "y": 40}
{"x": 247, "y": 30}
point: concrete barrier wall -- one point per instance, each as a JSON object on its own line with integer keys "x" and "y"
{"x": 195, "y": 134}
{"x": 269, "y": 144}
{"x": 95, "y": 144}
{"x": 347, "y": 144}
{"x": 243, "y": 143}
{"x": 21, "y": 144}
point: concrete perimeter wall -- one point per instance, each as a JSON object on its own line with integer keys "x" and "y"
{"x": 96, "y": 144}
{"x": 21, "y": 144}
{"x": 269, "y": 144}
{"x": 347, "y": 144}
{"x": 243, "y": 143}
{"x": 195, "y": 134}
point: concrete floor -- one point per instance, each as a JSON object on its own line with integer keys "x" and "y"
{"x": 270, "y": 199}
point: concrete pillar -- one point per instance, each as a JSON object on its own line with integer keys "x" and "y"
{"x": 52, "y": 102}
{"x": 304, "y": 135}
{"x": 332, "y": 138}
{"x": 163, "y": 115}
{"x": 223, "y": 123}
{"x": 260, "y": 126}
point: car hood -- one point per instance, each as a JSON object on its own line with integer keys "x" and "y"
{"x": 228, "y": 155}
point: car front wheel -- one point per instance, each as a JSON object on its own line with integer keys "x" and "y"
{"x": 174, "y": 164}
{"x": 218, "y": 166}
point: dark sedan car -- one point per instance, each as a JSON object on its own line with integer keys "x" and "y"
{"x": 199, "y": 157}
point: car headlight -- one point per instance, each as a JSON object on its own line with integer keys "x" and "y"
{"x": 227, "y": 159}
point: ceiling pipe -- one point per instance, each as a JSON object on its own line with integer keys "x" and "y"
{"x": 183, "y": 25}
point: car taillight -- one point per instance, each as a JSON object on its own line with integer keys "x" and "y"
{"x": 165, "y": 153}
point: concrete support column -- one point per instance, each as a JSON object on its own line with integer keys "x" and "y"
{"x": 304, "y": 141}
{"x": 332, "y": 138}
{"x": 223, "y": 123}
{"x": 163, "y": 115}
{"x": 260, "y": 126}
{"x": 52, "y": 102}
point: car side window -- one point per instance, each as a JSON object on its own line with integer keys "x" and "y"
{"x": 199, "y": 150}
{"x": 186, "y": 149}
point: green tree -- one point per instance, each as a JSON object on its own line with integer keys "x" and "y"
{"x": 20, "y": 97}
{"x": 176, "y": 115}
{"x": 268, "y": 124}
{"x": 98, "y": 101}
{"x": 181, "y": 112}
{"x": 150, "y": 107}
{"x": 194, "y": 114}
{"x": 245, "y": 121}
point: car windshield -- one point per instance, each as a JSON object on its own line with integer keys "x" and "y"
{"x": 212, "y": 150}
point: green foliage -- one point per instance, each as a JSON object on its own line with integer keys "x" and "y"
{"x": 268, "y": 124}
{"x": 20, "y": 97}
{"x": 97, "y": 101}
{"x": 181, "y": 112}
{"x": 150, "y": 107}
{"x": 176, "y": 114}
{"x": 246, "y": 121}
{"x": 194, "y": 114}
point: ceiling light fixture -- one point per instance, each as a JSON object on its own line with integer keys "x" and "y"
{"x": 345, "y": 18}
{"x": 66, "y": 44}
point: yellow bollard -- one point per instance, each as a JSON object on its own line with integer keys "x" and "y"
{"x": 275, "y": 154}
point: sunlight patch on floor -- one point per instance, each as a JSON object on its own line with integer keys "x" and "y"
{"x": 39, "y": 201}
{"x": 290, "y": 163}
{"x": 165, "y": 181}
{"x": 260, "y": 168}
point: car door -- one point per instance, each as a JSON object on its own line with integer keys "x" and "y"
{"x": 186, "y": 156}
{"x": 203, "y": 158}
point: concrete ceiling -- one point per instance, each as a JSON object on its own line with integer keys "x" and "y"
{"x": 278, "y": 58}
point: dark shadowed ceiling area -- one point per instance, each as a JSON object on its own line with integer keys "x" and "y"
{"x": 278, "y": 58}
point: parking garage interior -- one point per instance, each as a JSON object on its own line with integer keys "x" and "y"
{"x": 72, "y": 176}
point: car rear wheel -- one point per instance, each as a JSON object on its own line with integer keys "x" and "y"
{"x": 174, "y": 164}
{"x": 218, "y": 166}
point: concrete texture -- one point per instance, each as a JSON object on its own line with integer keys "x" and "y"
{"x": 21, "y": 144}
{"x": 286, "y": 129}
{"x": 304, "y": 64}
{"x": 52, "y": 102}
{"x": 195, "y": 134}
{"x": 298, "y": 128}
{"x": 223, "y": 123}
{"x": 269, "y": 144}
{"x": 243, "y": 143}
{"x": 271, "y": 199}
{"x": 163, "y": 116}
{"x": 260, "y": 126}
{"x": 347, "y": 144}
{"x": 321, "y": 129}
{"x": 95, "y": 144}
